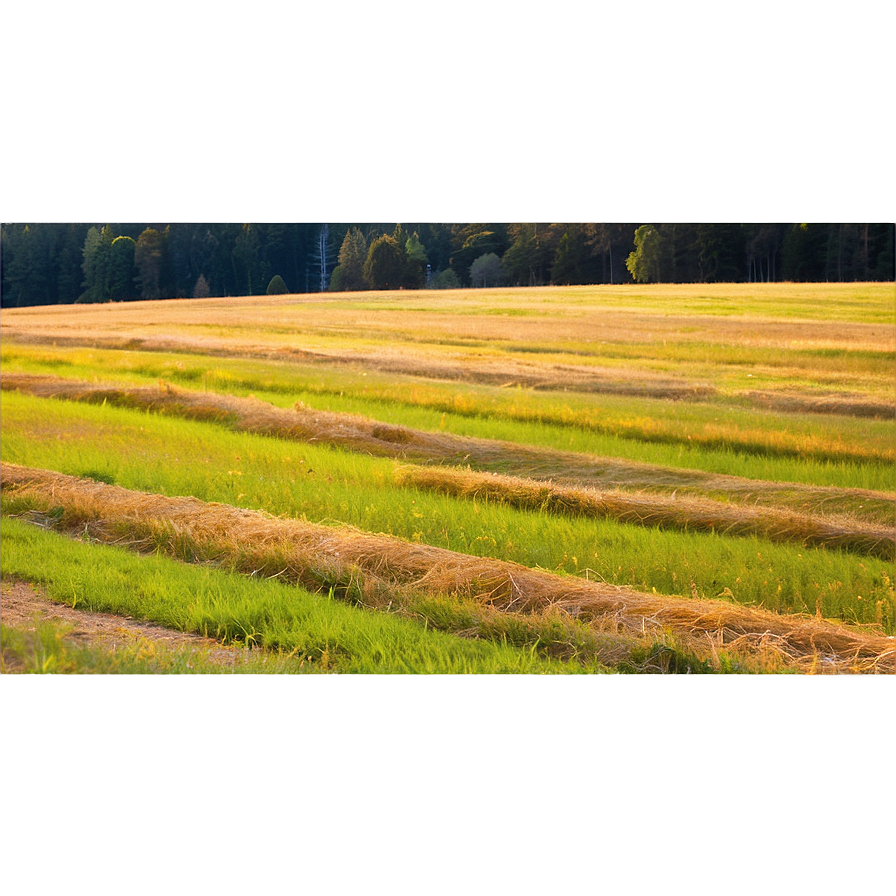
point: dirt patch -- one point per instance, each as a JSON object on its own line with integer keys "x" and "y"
{"x": 23, "y": 605}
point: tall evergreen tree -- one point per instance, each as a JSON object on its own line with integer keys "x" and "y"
{"x": 121, "y": 269}
{"x": 68, "y": 269}
{"x": 248, "y": 261}
{"x": 149, "y": 259}
{"x": 803, "y": 252}
{"x": 352, "y": 256}
{"x": 521, "y": 261}
{"x": 416, "y": 260}
{"x": 97, "y": 265}
{"x": 720, "y": 255}
{"x": 571, "y": 257}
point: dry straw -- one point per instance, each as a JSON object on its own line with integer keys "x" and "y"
{"x": 506, "y": 371}
{"x": 358, "y": 433}
{"x": 655, "y": 510}
{"x": 376, "y": 566}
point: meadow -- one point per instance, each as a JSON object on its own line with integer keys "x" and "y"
{"x": 637, "y": 479}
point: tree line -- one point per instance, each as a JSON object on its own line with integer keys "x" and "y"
{"x": 64, "y": 263}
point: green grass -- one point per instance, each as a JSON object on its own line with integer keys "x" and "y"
{"x": 179, "y": 457}
{"x": 327, "y": 635}
{"x": 801, "y": 448}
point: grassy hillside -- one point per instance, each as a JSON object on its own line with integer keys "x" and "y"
{"x": 730, "y": 443}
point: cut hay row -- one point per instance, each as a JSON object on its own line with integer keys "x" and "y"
{"x": 504, "y": 372}
{"x": 378, "y": 567}
{"x": 846, "y": 404}
{"x": 356, "y": 433}
{"x": 689, "y": 514}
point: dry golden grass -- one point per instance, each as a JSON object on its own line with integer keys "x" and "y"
{"x": 846, "y": 404}
{"x": 593, "y": 313}
{"x": 571, "y": 471}
{"x": 635, "y": 381}
{"x": 656, "y": 510}
{"x": 489, "y": 336}
{"x": 380, "y": 567}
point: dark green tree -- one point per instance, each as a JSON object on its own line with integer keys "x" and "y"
{"x": 762, "y": 244}
{"x": 470, "y": 241}
{"x": 882, "y": 238}
{"x": 249, "y": 264}
{"x": 20, "y": 256}
{"x": 521, "y": 261}
{"x": 446, "y": 279}
{"x": 571, "y": 258}
{"x": 415, "y": 262}
{"x": 720, "y": 253}
{"x": 68, "y": 261}
{"x": 803, "y": 252}
{"x": 486, "y": 271}
{"x": 122, "y": 270}
{"x": 385, "y": 264}
{"x": 97, "y": 265}
{"x": 276, "y": 287}
{"x": 150, "y": 262}
{"x": 352, "y": 256}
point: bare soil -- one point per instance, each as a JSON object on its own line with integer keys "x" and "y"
{"x": 23, "y": 605}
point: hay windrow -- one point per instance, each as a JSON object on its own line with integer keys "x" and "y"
{"x": 356, "y": 433}
{"x": 655, "y": 510}
{"x": 504, "y": 372}
{"x": 375, "y": 566}
{"x": 846, "y": 404}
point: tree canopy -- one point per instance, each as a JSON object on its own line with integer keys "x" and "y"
{"x": 100, "y": 262}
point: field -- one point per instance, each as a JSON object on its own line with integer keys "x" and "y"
{"x": 559, "y": 480}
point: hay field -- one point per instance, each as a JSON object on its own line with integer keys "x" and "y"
{"x": 643, "y": 479}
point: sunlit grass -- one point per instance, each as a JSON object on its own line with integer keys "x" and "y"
{"x": 807, "y": 448}
{"x": 320, "y": 632}
{"x": 180, "y": 457}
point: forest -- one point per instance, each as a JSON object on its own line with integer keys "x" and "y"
{"x": 58, "y": 263}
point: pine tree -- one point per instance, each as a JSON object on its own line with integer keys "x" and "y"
{"x": 201, "y": 289}
{"x": 121, "y": 269}
{"x": 149, "y": 259}
{"x": 352, "y": 256}
{"x": 277, "y": 287}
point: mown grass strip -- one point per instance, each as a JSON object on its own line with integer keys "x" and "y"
{"x": 374, "y": 568}
{"x": 492, "y": 413}
{"x": 173, "y": 456}
{"x": 265, "y": 613}
{"x": 653, "y": 510}
{"x": 357, "y": 433}
{"x": 644, "y": 420}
